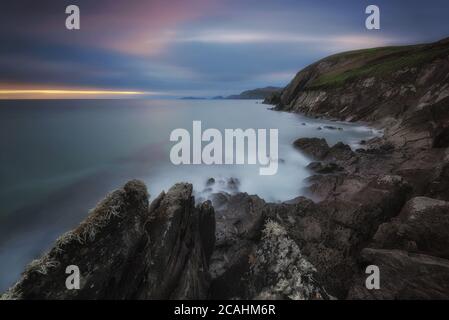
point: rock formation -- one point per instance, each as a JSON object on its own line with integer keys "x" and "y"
{"x": 126, "y": 249}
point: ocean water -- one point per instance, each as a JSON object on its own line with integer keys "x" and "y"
{"x": 58, "y": 158}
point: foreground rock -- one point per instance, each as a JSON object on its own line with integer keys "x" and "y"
{"x": 404, "y": 276}
{"x": 278, "y": 269}
{"x": 128, "y": 250}
{"x": 256, "y": 257}
{"x": 422, "y": 226}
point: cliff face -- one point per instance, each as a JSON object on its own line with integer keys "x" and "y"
{"x": 403, "y": 89}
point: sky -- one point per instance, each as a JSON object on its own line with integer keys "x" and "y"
{"x": 173, "y": 48}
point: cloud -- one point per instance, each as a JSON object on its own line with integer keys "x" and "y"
{"x": 233, "y": 37}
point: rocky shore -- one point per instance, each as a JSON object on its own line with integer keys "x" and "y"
{"x": 385, "y": 205}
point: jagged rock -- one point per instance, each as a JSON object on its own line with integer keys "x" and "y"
{"x": 126, "y": 249}
{"x": 239, "y": 226}
{"x": 403, "y": 276}
{"x": 278, "y": 270}
{"x": 314, "y": 147}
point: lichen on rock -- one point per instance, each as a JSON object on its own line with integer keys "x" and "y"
{"x": 280, "y": 270}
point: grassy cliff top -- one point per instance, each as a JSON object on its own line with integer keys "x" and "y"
{"x": 376, "y": 62}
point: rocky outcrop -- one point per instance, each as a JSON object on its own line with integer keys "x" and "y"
{"x": 256, "y": 257}
{"x": 278, "y": 269}
{"x": 126, "y": 249}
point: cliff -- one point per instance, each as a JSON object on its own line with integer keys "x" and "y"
{"x": 386, "y": 204}
{"x": 404, "y": 90}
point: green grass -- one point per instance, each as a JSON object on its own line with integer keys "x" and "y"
{"x": 379, "y": 62}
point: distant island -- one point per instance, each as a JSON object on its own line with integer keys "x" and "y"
{"x": 259, "y": 93}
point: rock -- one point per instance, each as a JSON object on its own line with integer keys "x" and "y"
{"x": 339, "y": 152}
{"x": 126, "y": 249}
{"x": 422, "y": 226}
{"x": 313, "y": 147}
{"x": 324, "y": 168}
{"x": 441, "y": 137}
{"x": 278, "y": 270}
{"x": 219, "y": 199}
{"x": 438, "y": 187}
{"x": 210, "y": 182}
{"x": 239, "y": 227}
{"x": 403, "y": 276}
{"x": 332, "y": 232}
{"x": 233, "y": 184}
{"x": 323, "y": 186}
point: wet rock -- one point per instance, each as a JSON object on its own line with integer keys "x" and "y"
{"x": 210, "y": 182}
{"x": 233, "y": 184}
{"x": 313, "y": 147}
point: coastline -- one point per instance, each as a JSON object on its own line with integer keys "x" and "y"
{"x": 385, "y": 205}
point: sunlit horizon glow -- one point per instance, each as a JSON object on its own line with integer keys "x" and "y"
{"x": 66, "y": 93}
